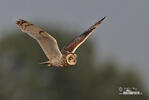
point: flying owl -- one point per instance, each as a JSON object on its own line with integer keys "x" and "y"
{"x": 64, "y": 58}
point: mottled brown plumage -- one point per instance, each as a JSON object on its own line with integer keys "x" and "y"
{"x": 65, "y": 57}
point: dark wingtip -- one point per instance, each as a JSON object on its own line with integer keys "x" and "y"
{"x": 104, "y": 17}
{"x": 100, "y": 21}
{"x": 97, "y": 24}
{"x": 20, "y": 22}
{"x": 17, "y": 22}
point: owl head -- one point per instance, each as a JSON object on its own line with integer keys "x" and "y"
{"x": 70, "y": 59}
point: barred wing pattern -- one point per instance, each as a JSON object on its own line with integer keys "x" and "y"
{"x": 46, "y": 41}
{"x": 74, "y": 44}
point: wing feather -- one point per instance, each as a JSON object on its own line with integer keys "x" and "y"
{"x": 46, "y": 41}
{"x": 74, "y": 44}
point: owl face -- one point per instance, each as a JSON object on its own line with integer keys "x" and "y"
{"x": 71, "y": 59}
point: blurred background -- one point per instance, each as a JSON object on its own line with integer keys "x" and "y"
{"x": 115, "y": 55}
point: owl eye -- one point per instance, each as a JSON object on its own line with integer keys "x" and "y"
{"x": 70, "y": 58}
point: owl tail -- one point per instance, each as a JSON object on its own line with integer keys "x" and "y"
{"x": 46, "y": 63}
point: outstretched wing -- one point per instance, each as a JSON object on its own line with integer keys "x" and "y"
{"x": 46, "y": 41}
{"x": 74, "y": 44}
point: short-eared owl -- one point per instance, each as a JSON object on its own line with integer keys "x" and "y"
{"x": 65, "y": 57}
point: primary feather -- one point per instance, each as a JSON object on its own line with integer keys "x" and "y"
{"x": 74, "y": 44}
{"x": 46, "y": 41}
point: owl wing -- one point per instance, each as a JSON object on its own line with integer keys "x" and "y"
{"x": 46, "y": 41}
{"x": 74, "y": 44}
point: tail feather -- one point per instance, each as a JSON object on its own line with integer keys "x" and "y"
{"x": 46, "y": 63}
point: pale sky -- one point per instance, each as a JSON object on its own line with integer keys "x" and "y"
{"x": 124, "y": 34}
